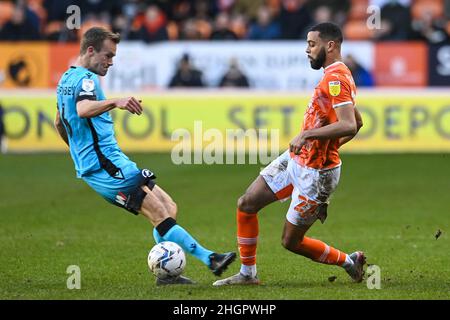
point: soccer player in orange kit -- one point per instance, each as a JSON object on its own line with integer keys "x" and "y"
{"x": 309, "y": 171}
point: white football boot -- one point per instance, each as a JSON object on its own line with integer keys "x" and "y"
{"x": 356, "y": 270}
{"x": 237, "y": 279}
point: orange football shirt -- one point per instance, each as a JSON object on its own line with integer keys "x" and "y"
{"x": 335, "y": 89}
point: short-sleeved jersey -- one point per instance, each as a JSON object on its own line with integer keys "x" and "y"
{"x": 91, "y": 140}
{"x": 335, "y": 89}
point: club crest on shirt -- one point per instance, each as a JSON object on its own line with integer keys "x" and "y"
{"x": 88, "y": 85}
{"x": 334, "y": 87}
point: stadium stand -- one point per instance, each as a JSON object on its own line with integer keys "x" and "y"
{"x": 164, "y": 20}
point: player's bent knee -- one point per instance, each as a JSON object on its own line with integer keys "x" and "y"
{"x": 285, "y": 242}
{"x": 246, "y": 204}
{"x": 290, "y": 243}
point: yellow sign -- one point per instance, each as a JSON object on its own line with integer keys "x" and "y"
{"x": 392, "y": 123}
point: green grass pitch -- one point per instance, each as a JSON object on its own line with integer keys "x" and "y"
{"x": 390, "y": 206}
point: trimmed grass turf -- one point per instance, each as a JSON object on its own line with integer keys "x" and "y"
{"x": 388, "y": 205}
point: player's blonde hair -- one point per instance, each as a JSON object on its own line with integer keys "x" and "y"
{"x": 95, "y": 37}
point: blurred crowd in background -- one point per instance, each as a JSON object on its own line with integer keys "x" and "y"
{"x": 171, "y": 20}
{"x": 154, "y": 21}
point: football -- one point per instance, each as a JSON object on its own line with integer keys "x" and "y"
{"x": 166, "y": 260}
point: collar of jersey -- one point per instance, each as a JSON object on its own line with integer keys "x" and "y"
{"x": 331, "y": 66}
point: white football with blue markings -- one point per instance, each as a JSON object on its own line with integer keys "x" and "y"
{"x": 166, "y": 260}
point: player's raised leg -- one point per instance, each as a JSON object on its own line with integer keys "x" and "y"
{"x": 159, "y": 208}
{"x": 294, "y": 240}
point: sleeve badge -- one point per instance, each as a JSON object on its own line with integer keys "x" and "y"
{"x": 88, "y": 85}
{"x": 334, "y": 87}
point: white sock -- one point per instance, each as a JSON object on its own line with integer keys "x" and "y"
{"x": 248, "y": 270}
{"x": 348, "y": 262}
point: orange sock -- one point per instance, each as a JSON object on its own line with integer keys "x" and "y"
{"x": 319, "y": 251}
{"x": 247, "y": 236}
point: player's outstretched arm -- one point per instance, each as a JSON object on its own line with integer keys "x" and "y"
{"x": 359, "y": 124}
{"x": 345, "y": 126}
{"x": 60, "y": 128}
{"x": 91, "y": 108}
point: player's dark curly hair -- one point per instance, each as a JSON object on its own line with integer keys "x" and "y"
{"x": 329, "y": 31}
{"x": 95, "y": 36}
